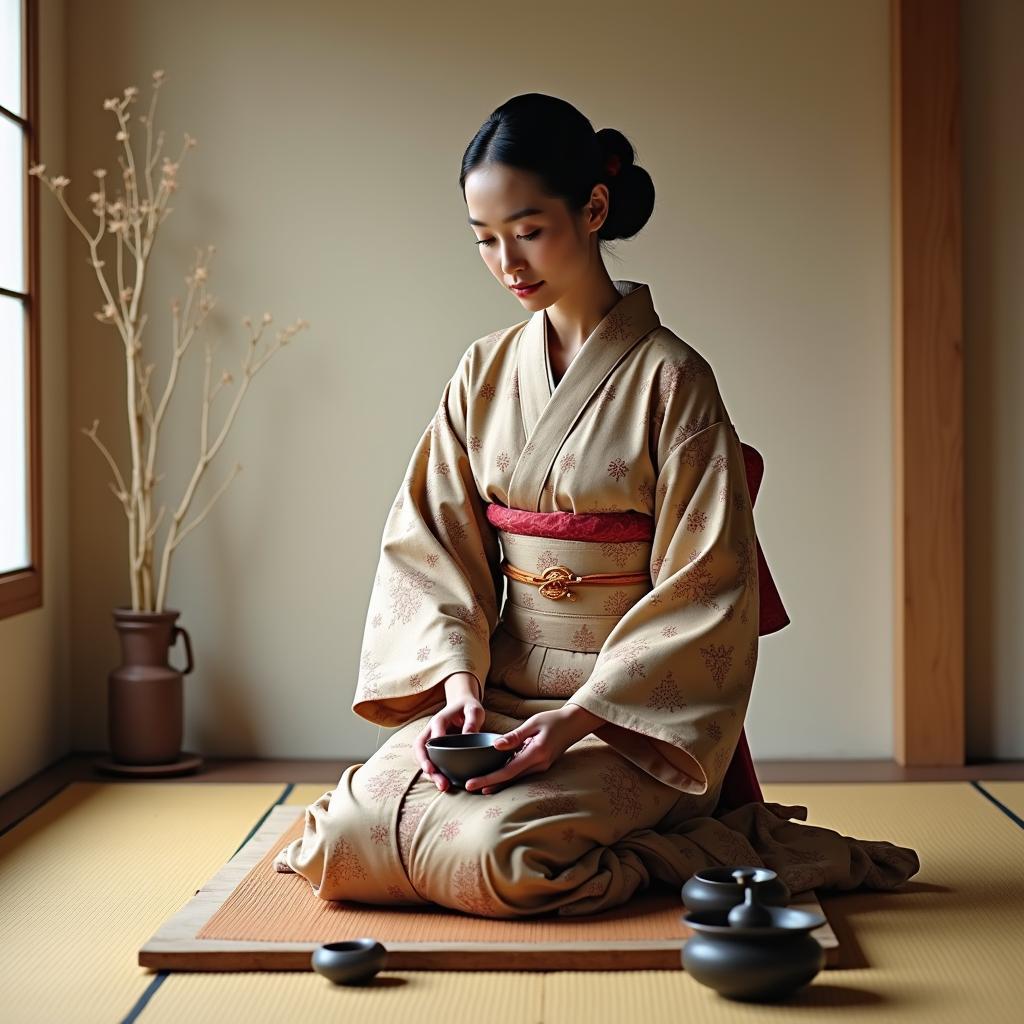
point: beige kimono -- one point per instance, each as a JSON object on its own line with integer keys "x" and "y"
{"x": 630, "y": 464}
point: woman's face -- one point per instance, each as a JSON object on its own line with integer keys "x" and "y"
{"x": 542, "y": 242}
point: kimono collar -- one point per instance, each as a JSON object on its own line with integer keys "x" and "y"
{"x": 548, "y": 415}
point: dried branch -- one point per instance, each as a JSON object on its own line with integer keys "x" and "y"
{"x": 134, "y": 219}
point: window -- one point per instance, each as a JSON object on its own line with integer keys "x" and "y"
{"x": 20, "y": 490}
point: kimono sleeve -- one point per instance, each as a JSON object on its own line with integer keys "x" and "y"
{"x": 438, "y": 585}
{"x": 673, "y": 678}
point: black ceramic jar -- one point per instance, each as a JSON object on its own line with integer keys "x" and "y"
{"x": 753, "y": 964}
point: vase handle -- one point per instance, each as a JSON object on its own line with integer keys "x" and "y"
{"x": 188, "y": 649}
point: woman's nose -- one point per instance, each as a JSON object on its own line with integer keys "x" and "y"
{"x": 511, "y": 265}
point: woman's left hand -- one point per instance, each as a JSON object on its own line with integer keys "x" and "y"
{"x": 541, "y": 740}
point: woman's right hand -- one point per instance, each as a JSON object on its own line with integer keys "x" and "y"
{"x": 462, "y": 710}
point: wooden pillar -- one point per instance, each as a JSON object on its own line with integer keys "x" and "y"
{"x": 928, "y": 383}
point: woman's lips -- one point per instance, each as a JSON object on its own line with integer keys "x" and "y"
{"x": 528, "y": 290}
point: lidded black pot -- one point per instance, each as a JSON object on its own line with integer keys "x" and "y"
{"x": 717, "y": 888}
{"x": 751, "y": 950}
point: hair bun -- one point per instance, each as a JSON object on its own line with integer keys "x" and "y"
{"x": 631, "y": 185}
{"x": 616, "y": 150}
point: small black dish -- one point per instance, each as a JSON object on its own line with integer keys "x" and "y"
{"x": 349, "y": 963}
{"x": 462, "y": 756}
{"x": 716, "y": 888}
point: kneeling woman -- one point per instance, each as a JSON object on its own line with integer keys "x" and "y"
{"x": 583, "y": 458}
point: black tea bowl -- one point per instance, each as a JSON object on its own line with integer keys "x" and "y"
{"x": 349, "y": 963}
{"x": 462, "y": 756}
{"x": 758, "y": 964}
{"x": 716, "y": 889}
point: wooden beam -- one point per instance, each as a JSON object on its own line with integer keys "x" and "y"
{"x": 928, "y": 384}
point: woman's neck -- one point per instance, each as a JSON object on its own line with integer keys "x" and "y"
{"x": 573, "y": 318}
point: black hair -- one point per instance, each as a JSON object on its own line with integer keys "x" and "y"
{"x": 551, "y": 138}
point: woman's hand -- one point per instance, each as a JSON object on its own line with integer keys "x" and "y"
{"x": 462, "y": 709}
{"x": 541, "y": 740}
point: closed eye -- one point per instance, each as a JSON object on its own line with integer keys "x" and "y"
{"x": 526, "y": 238}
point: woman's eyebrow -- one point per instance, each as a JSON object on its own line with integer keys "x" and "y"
{"x": 529, "y": 211}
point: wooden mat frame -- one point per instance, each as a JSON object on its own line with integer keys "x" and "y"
{"x": 175, "y": 945}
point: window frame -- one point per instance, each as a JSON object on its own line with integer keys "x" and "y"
{"x": 22, "y": 589}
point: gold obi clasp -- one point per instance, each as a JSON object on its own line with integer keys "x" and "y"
{"x": 556, "y": 580}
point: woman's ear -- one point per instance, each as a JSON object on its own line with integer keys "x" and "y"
{"x": 597, "y": 207}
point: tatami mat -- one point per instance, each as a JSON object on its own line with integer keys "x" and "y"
{"x": 306, "y": 792}
{"x": 89, "y": 877}
{"x": 1011, "y": 794}
{"x": 85, "y": 880}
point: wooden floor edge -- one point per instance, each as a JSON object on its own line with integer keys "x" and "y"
{"x": 417, "y": 960}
